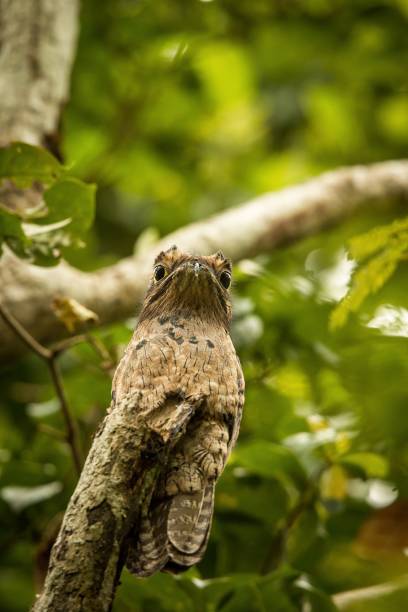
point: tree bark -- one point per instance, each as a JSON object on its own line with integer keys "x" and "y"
{"x": 37, "y": 47}
{"x": 90, "y": 550}
{"x": 255, "y": 227}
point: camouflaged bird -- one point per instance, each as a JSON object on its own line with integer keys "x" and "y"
{"x": 181, "y": 352}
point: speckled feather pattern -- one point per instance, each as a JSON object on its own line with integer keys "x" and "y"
{"x": 181, "y": 353}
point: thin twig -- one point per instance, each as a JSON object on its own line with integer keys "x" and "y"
{"x": 100, "y": 349}
{"x": 107, "y": 365}
{"x": 277, "y": 549}
{"x": 70, "y": 423}
{"x": 63, "y": 345}
{"x": 24, "y": 335}
{"x": 50, "y": 357}
{"x": 52, "y": 431}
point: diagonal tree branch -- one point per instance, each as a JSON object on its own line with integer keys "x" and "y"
{"x": 355, "y": 599}
{"x": 114, "y": 486}
{"x": 258, "y": 226}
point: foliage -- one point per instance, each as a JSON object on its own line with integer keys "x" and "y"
{"x": 177, "y": 111}
{"x": 42, "y": 232}
{"x": 384, "y": 247}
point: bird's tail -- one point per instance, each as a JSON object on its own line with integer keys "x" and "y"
{"x": 174, "y": 534}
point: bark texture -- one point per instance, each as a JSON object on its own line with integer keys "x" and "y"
{"x": 254, "y": 227}
{"x": 90, "y": 550}
{"x": 37, "y": 44}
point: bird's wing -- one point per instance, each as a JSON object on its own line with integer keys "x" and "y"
{"x": 174, "y": 535}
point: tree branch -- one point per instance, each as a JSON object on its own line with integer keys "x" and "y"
{"x": 114, "y": 486}
{"x": 24, "y": 335}
{"x": 347, "y": 600}
{"x": 269, "y": 221}
{"x": 72, "y": 433}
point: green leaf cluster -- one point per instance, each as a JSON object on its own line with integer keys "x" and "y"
{"x": 377, "y": 253}
{"x": 63, "y": 211}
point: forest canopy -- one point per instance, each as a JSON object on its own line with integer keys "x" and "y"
{"x": 178, "y": 111}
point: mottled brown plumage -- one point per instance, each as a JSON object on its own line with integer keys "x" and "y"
{"x": 181, "y": 357}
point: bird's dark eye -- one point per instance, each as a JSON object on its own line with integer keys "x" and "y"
{"x": 225, "y": 279}
{"x": 159, "y": 273}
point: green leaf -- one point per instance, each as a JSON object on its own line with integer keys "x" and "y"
{"x": 374, "y": 465}
{"x": 67, "y": 214}
{"x": 10, "y": 224}
{"x": 301, "y": 535}
{"x": 318, "y": 600}
{"x": 247, "y": 598}
{"x": 160, "y": 592}
{"x": 237, "y": 493}
{"x": 367, "y": 244}
{"x": 271, "y": 461}
{"x": 71, "y": 199}
{"x": 11, "y": 232}
{"x": 25, "y": 164}
{"x": 368, "y": 280}
{"x": 211, "y": 594}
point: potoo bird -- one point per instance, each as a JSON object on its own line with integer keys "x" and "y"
{"x": 181, "y": 354}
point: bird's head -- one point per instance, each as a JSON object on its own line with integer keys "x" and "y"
{"x": 189, "y": 285}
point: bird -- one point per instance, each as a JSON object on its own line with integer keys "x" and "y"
{"x": 180, "y": 357}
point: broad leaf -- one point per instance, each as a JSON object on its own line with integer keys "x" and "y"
{"x": 24, "y": 164}
{"x": 372, "y": 464}
{"x": 71, "y": 199}
{"x": 271, "y": 461}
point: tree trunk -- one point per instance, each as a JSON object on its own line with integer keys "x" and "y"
{"x": 37, "y": 48}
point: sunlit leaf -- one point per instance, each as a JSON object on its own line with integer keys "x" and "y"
{"x": 373, "y": 464}
{"x": 24, "y": 164}
{"x": 333, "y": 483}
{"x": 367, "y": 280}
{"x": 72, "y": 314}
{"x": 367, "y": 244}
{"x": 291, "y": 381}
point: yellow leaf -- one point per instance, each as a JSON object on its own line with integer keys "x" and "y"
{"x": 291, "y": 382}
{"x": 342, "y": 443}
{"x": 72, "y": 314}
{"x": 333, "y": 483}
{"x": 316, "y": 422}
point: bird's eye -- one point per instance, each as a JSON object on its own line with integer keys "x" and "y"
{"x": 225, "y": 279}
{"x": 159, "y": 273}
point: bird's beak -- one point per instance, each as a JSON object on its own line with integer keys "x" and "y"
{"x": 196, "y": 268}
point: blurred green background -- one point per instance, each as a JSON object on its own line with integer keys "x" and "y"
{"x": 178, "y": 110}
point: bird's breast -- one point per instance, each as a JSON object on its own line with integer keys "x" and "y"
{"x": 185, "y": 361}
